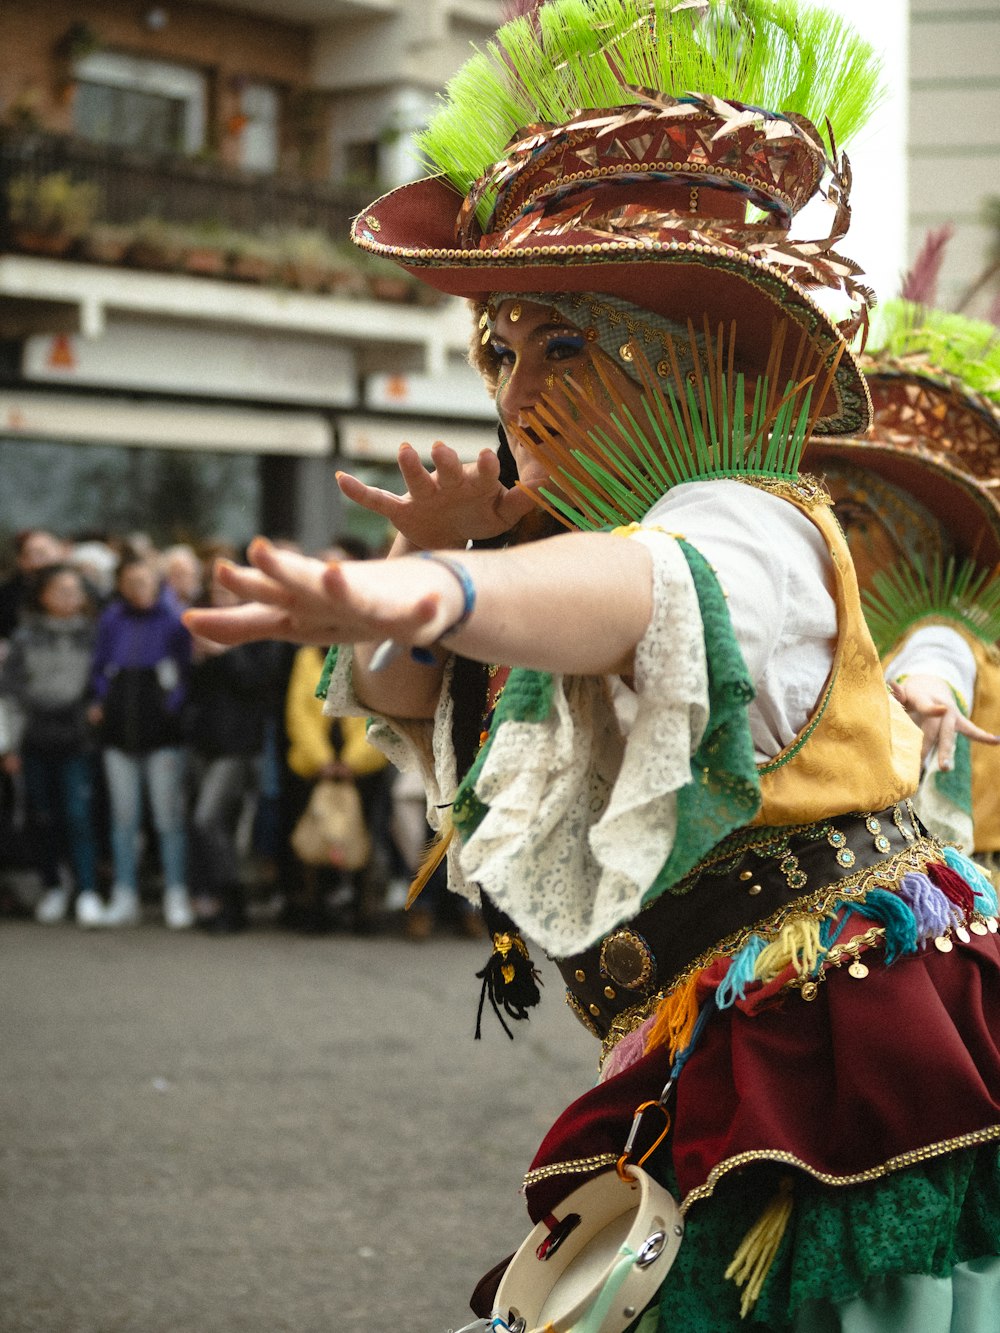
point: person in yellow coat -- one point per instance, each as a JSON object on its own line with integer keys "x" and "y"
{"x": 321, "y": 747}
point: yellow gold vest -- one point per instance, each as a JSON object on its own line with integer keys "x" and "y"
{"x": 859, "y": 751}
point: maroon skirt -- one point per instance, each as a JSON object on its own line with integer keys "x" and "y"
{"x": 870, "y": 1076}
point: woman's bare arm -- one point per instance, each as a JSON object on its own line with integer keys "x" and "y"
{"x": 576, "y": 604}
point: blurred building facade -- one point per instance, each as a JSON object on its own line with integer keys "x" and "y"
{"x": 188, "y": 343}
{"x": 186, "y": 338}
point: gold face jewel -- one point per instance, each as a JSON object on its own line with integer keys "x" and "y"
{"x": 515, "y": 313}
{"x": 979, "y": 928}
{"x": 963, "y": 934}
{"x": 625, "y": 352}
{"x": 858, "y": 970}
{"x": 944, "y": 944}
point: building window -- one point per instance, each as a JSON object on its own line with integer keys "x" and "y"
{"x": 259, "y": 105}
{"x": 137, "y": 103}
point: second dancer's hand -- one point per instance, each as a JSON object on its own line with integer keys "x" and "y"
{"x": 445, "y": 507}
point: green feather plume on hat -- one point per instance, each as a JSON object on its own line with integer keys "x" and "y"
{"x": 937, "y": 342}
{"x": 576, "y": 54}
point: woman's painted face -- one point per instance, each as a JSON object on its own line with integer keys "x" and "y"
{"x": 535, "y": 349}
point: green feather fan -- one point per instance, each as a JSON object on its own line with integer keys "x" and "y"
{"x": 575, "y": 54}
{"x": 939, "y": 342}
{"x": 961, "y": 592}
{"x": 611, "y": 468}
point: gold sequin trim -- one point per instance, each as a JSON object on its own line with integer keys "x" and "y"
{"x": 886, "y": 1168}
{"x": 577, "y": 1166}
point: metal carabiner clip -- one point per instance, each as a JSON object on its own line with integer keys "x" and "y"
{"x": 660, "y": 1105}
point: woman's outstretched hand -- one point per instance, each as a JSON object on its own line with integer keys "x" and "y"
{"x": 285, "y": 595}
{"x": 931, "y": 704}
{"x": 448, "y": 506}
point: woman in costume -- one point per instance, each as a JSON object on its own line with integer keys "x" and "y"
{"x": 918, "y": 502}
{"x": 691, "y": 786}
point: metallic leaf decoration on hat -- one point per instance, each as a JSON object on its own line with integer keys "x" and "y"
{"x": 543, "y": 68}
{"x": 934, "y": 378}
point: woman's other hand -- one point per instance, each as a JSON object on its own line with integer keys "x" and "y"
{"x": 930, "y": 702}
{"x": 445, "y": 507}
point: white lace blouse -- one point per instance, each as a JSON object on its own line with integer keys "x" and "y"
{"x": 582, "y": 806}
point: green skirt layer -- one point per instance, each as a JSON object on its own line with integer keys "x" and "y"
{"x": 844, "y": 1243}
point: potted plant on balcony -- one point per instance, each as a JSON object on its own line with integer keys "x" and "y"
{"x": 254, "y": 258}
{"x": 48, "y": 214}
{"x": 107, "y": 242}
{"x": 205, "y": 250}
{"x": 311, "y": 261}
{"x": 156, "y": 244}
{"x": 385, "y": 281}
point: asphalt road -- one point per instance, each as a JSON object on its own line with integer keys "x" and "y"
{"x": 261, "y": 1133}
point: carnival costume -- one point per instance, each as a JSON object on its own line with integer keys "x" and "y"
{"x": 720, "y": 854}
{"x": 918, "y": 498}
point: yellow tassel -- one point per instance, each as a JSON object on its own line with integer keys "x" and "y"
{"x": 752, "y": 1261}
{"x": 433, "y": 857}
{"x": 675, "y": 1018}
{"x": 797, "y": 945}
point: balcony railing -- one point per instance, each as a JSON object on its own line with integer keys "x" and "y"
{"x": 132, "y": 186}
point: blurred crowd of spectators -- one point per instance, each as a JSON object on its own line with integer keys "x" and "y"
{"x": 138, "y": 763}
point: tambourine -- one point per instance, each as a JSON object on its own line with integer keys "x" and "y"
{"x": 596, "y": 1264}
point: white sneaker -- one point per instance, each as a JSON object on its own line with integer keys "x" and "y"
{"x": 123, "y": 909}
{"x": 90, "y": 909}
{"x": 52, "y": 906}
{"x": 177, "y": 910}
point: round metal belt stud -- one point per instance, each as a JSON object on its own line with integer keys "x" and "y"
{"x": 580, "y": 974}
{"x": 963, "y": 934}
{"x": 858, "y": 969}
{"x": 754, "y": 889}
{"x": 627, "y": 960}
{"x": 944, "y": 944}
{"x": 595, "y": 1010}
{"x": 609, "y": 992}
{"x": 746, "y": 874}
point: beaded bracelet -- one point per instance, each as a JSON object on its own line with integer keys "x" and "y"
{"x": 425, "y": 655}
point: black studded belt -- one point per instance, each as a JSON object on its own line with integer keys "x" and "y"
{"x": 752, "y": 877}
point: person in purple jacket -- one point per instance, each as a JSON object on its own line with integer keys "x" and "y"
{"x": 142, "y": 658}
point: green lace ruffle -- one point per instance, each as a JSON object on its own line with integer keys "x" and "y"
{"x": 329, "y": 666}
{"x": 923, "y": 1220}
{"x": 724, "y": 791}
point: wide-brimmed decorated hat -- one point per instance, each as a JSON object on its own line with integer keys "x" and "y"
{"x": 657, "y": 151}
{"x": 934, "y": 379}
